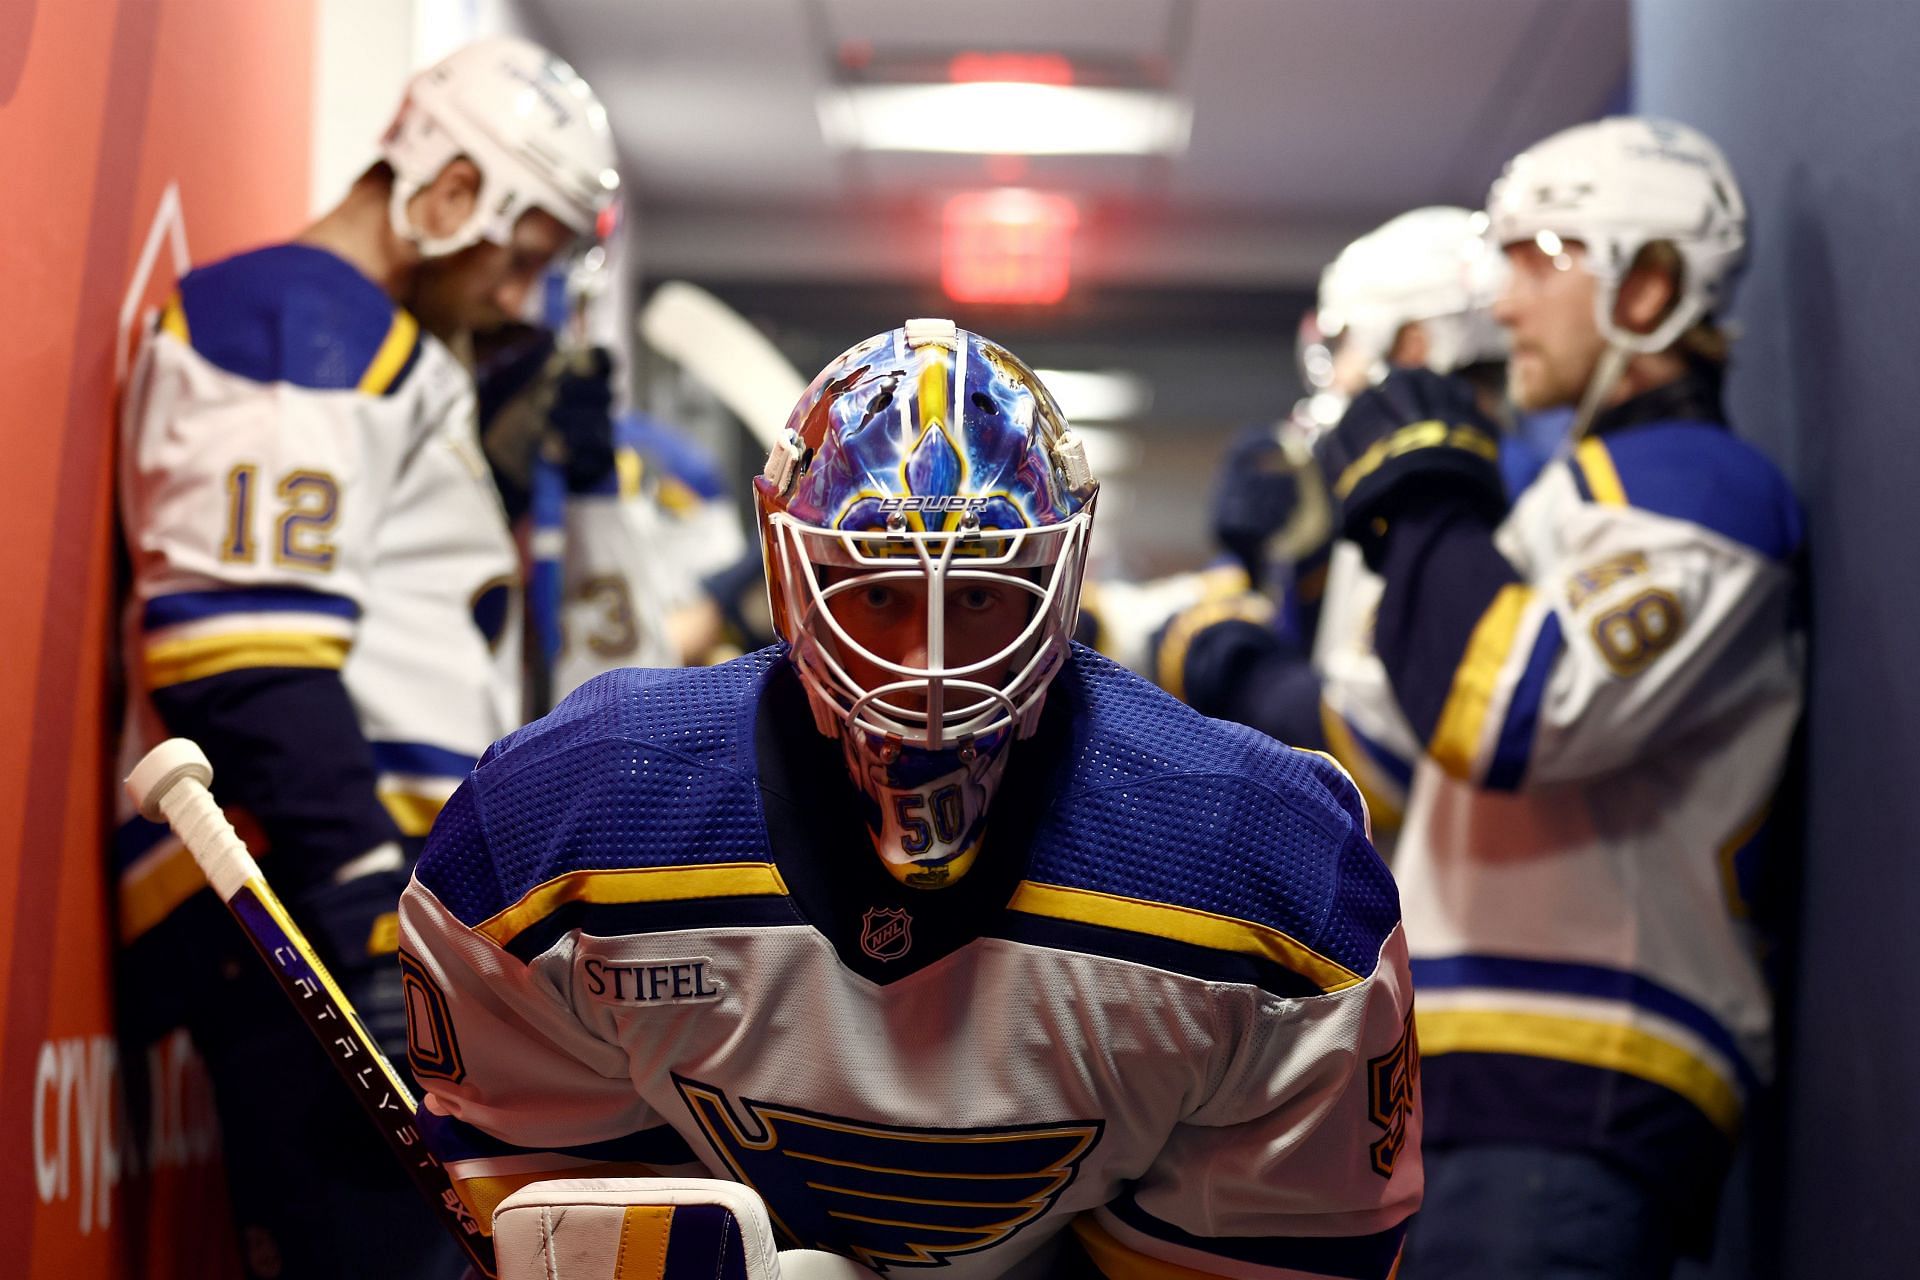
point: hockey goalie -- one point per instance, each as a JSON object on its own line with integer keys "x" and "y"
{"x": 959, "y": 945}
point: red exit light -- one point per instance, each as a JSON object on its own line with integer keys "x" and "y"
{"x": 1010, "y": 68}
{"x": 1007, "y": 246}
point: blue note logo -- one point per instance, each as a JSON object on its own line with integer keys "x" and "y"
{"x": 1393, "y": 1091}
{"x": 887, "y": 1195}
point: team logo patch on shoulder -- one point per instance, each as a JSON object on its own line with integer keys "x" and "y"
{"x": 1393, "y": 1091}
{"x": 886, "y": 933}
{"x": 887, "y": 1195}
{"x": 646, "y": 983}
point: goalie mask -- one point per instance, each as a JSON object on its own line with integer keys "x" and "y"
{"x": 925, "y": 518}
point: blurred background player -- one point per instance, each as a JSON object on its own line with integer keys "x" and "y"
{"x": 676, "y": 590}
{"x": 1415, "y": 293}
{"x": 926, "y": 897}
{"x": 325, "y": 597}
{"x": 1271, "y": 524}
{"x": 1605, "y": 678}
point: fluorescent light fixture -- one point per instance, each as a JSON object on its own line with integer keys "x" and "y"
{"x": 1000, "y": 118}
{"x": 1110, "y": 396}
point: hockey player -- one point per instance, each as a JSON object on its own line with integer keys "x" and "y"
{"x": 1416, "y": 292}
{"x": 324, "y": 597}
{"x": 1604, "y": 679}
{"x": 962, "y": 946}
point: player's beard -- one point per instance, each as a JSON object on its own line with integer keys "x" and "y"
{"x": 928, "y": 809}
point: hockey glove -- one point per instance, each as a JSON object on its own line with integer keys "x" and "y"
{"x": 1196, "y": 652}
{"x": 508, "y": 367}
{"x": 582, "y": 418}
{"x": 1254, "y": 498}
{"x": 1417, "y": 434}
{"x": 354, "y": 926}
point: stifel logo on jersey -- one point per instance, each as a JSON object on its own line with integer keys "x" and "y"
{"x": 648, "y": 982}
{"x": 888, "y": 1195}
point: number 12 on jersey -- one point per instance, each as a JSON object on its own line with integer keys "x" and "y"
{"x": 308, "y": 506}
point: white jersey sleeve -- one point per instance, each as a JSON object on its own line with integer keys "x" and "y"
{"x": 1304, "y": 1162}
{"x": 1655, "y": 585}
{"x": 522, "y": 1090}
{"x": 1360, "y": 716}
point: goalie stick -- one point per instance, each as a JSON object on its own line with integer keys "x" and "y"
{"x": 170, "y": 784}
{"x": 725, "y": 354}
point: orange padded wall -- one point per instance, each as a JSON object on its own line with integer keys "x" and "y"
{"x": 129, "y": 131}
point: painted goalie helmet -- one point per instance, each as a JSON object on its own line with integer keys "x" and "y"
{"x": 925, "y": 517}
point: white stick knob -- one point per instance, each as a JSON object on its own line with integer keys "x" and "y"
{"x": 170, "y": 784}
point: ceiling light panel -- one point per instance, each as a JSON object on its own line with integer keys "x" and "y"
{"x": 996, "y": 118}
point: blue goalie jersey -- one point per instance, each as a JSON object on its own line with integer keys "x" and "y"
{"x": 1166, "y": 1016}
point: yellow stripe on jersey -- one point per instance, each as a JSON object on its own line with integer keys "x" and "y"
{"x": 643, "y": 884}
{"x": 1117, "y": 1262}
{"x": 1603, "y": 481}
{"x": 1463, "y": 717}
{"x": 677, "y": 496}
{"x": 411, "y": 812}
{"x": 391, "y": 358}
{"x": 630, "y": 469}
{"x": 1609, "y": 1045}
{"x": 172, "y": 662}
{"x": 173, "y": 320}
{"x": 383, "y": 939}
{"x": 644, "y": 1231}
{"x": 160, "y": 886}
{"x": 1183, "y": 924}
{"x": 1377, "y": 791}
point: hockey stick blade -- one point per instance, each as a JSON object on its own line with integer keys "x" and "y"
{"x": 725, "y": 354}
{"x": 170, "y": 785}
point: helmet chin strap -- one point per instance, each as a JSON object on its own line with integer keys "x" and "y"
{"x": 1606, "y": 375}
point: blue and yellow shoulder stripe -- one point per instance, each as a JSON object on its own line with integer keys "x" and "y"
{"x": 702, "y": 853}
{"x": 1201, "y": 847}
{"x": 1694, "y": 471}
{"x": 1519, "y": 619}
{"x": 296, "y": 314}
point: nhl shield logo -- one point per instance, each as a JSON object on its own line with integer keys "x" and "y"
{"x": 886, "y": 933}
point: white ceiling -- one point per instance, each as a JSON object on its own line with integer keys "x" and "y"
{"x": 1313, "y": 120}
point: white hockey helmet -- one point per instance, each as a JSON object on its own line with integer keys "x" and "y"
{"x": 1433, "y": 266}
{"x": 530, "y": 124}
{"x": 1616, "y": 186}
